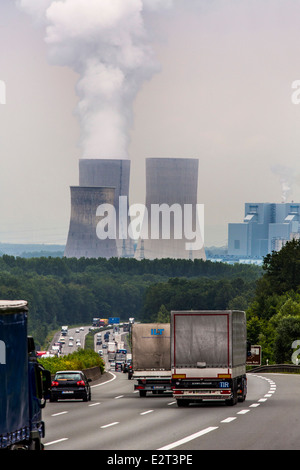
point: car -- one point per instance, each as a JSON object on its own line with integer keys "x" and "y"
{"x": 71, "y": 344}
{"x": 70, "y": 384}
{"x": 104, "y": 346}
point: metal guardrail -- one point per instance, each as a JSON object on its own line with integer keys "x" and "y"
{"x": 290, "y": 368}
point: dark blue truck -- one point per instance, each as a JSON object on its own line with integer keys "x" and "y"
{"x": 24, "y": 383}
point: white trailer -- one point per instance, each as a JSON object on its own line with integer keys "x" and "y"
{"x": 208, "y": 356}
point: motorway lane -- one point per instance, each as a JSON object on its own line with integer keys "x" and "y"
{"x": 117, "y": 419}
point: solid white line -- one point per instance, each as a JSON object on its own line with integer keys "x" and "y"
{"x": 146, "y": 412}
{"x": 228, "y": 420}
{"x": 60, "y": 413}
{"x": 188, "y": 438}
{"x": 104, "y": 383}
{"x": 110, "y": 424}
{"x": 55, "y": 442}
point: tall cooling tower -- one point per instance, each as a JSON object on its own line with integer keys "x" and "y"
{"x": 83, "y": 241}
{"x": 113, "y": 173}
{"x": 169, "y": 181}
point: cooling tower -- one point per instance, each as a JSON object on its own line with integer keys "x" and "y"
{"x": 82, "y": 238}
{"x": 171, "y": 184}
{"x": 112, "y": 173}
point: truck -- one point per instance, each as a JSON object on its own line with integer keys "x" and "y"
{"x": 151, "y": 359}
{"x": 24, "y": 383}
{"x": 64, "y": 330}
{"x": 208, "y": 356}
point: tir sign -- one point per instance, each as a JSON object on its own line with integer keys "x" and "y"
{"x": 156, "y": 331}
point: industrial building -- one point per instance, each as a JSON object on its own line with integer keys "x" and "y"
{"x": 171, "y": 183}
{"x": 266, "y": 227}
{"x": 101, "y": 181}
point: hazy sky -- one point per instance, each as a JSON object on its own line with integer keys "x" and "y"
{"x": 222, "y": 94}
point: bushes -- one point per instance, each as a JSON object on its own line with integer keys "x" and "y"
{"x": 79, "y": 360}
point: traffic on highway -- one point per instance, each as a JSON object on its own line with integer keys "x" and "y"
{"x": 118, "y": 418}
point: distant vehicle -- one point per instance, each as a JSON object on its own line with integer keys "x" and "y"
{"x": 64, "y": 330}
{"x": 126, "y": 365}
{"x": 104, "y": 346}
{"x": 70, "y": 384}
{"x": 100, "y": 352}
{"x": 70, "y": 344}
{"x": 77, "y": 331}
{"x": 81, "y": 328}
{"x": 112, "y": 365}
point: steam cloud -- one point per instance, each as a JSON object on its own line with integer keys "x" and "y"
{"x": 106, "y": 43}
{"x": 287, "y": 178}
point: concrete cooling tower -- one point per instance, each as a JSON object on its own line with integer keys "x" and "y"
{"x": 100, "y": 181}
{"x": 113, "y": 173}
{"x": 82, "y": 238}
{"x": 171, "y": 183}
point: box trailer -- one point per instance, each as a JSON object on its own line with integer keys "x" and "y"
{"x": 208, "y": 356}
{"x": 151, "y": 360}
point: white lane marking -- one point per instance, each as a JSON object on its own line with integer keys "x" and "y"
{"x": 262, "y": 399}
{"x": 146, "y": 412}
{"x": 95, "y": 404}
{"x": 188, "y": 438}
{"x": 60, "y": 413}
{"x": 120, "y": 396}
{"x": 254, "y": 405}
{"x": 56, "y": 442}
{"x": 171, "y": 403}
{"x": 110, "y": 424}
{"x": 107, "y": 381}
{"x": 228, "y": 420}
{"x": 267, "y": 395}
{"x": 243, "y": 412}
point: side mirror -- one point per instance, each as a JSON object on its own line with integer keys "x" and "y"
{"x": 248, "y": 348}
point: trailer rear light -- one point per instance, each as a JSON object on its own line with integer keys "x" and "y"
{"x": 54, "y": 383}
{"x": 225, "y": 392}
{"x": 139, "y": 387}
{"x": 178, "y": 392}
{"x": 80, "y": 383}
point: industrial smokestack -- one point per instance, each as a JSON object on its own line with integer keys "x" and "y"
{"x": 82, "y": 238}
{"x": 173, "y": 183}
{"x": 113, "y": 173}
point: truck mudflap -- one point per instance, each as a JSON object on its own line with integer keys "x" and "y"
{"x": 229, "y": 391}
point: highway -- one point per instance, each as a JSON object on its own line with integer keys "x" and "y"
{"x": 118, "y": 419}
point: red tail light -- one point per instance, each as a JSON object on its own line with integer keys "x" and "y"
{"x": 54, "y": 383}
{"x": 80, "y": 383}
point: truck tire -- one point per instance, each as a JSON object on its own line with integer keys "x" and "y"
{"x": 143, "y": 393}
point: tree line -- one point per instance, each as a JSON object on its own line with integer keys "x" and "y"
{"x": 73, "y": 291}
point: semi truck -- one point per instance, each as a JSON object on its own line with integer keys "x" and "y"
{"x": 208, "y": 356}
{"x": 151, "y": 360}
{"x": 24, "y": 383}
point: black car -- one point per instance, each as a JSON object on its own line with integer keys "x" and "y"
{"x": 70, "y": 384}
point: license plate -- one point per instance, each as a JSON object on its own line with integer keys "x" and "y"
{"x": 158, "y": 387}
{"x": 68, "y": 391}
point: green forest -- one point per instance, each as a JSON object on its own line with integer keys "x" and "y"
{"x": 72, "y": 291}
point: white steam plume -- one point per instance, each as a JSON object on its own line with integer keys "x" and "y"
{"x": 106, "y": 43}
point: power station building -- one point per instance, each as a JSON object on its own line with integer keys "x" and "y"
{"x": 171, "y": 191}
{"x": 266, "y": 227}
{"x": 101, "y": 181}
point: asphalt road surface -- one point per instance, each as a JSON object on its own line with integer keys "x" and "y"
{"x": 117, "y": 418}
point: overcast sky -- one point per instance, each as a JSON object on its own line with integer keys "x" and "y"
{"x": 222, "y": 94}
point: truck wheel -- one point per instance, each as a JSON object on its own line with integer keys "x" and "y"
{"x": 142, "y": 393}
